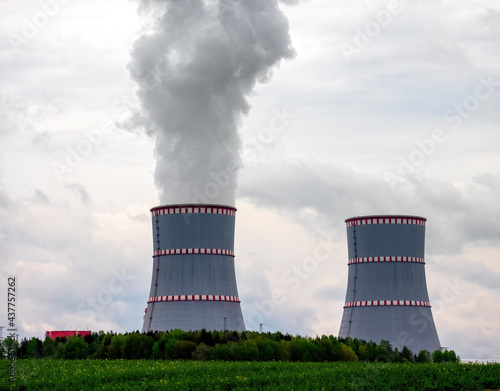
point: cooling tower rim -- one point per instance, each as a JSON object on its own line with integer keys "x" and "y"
{"x": 193, "y": 206}
{"x": 387, "y": 216}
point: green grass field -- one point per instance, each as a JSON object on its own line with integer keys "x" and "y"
{"x": 143, "y": 375}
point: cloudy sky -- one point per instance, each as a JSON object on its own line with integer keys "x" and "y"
{"x": 384, "y": 108}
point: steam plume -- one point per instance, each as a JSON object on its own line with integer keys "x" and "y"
{"x": 196, "y": 66}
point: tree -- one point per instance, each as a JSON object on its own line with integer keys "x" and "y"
{"x": 325, "y": 348}
{"x": 347, "y": 354}
{"x": 221, "y": 352}
{"x": 297, "y": 348}
{"x": 424, "y": 357}
{"x": 449, "y": 356}
{"x": 62, "y": 340}
{"x": 168, "y": 341}
{"x": 386, "y": 345}
{"x": 396, "y": 356}
{"x": 179, "y": 335}
{"x": 245, "y": 351}
{"x": 382, "y": 352}
{"x": 10, "y": 347}
{"x": 34, "y": 348}
{"x": 284, "y": 353}
{"x": 407, "y": 354}
{"x": 115, "y": 348}
{"x": 437, "y": 356}
{"x": 353, "y": 343}
{"x": 453, "y": 357}
{"x": 157, "y": 352}
{"x": 102, "y": 349}
{"x": 49, "y": 348}
{"x": 75, "y": 348}
{"x": 363, "y": 353}
{"x": 206, "y": 338}
{"x": 137, "y": 346}
{"x": 22, "y": 352}
{"x": 202, "y": 352}
{"x": 184, "y": 349}
{"x": 269, "y": 350}
{"x": 217, "y": 337}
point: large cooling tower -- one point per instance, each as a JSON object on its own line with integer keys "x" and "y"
{"x": 194, "y": 283}
{"x": 386, "y": 290}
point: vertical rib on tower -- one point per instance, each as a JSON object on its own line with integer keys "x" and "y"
{"x": 194, "y": 284}
{"x": 387, "y": 295}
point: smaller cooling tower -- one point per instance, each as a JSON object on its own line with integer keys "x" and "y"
{"x": 386, "y": 289}
{"x": 194, "y": 284}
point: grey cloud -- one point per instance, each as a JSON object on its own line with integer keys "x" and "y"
{"x": 474, "y": 271}
{"x": 334, "y": 292}
{"x": 80, "y": 191}
{"x": 41, "y": 197}
{"x": 487, "y": 179}
{"x": 455, "y": 217}
{"x": 11, "y": 115}
{"x": 5, "y": 202}
{"x": 63, "y": 265}
{"x": 41, "y": 138}
{"x": 491, "y": 17}
{"x": 291, "y": 2}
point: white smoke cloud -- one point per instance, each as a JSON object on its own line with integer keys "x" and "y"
{"x": 196, "y": 66}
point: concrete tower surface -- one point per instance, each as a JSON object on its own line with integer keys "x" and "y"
{"x": 387, "y": 295}
{"x": 194, "y": 283}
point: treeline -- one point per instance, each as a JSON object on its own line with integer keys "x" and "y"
{"x": 217, "y": 345}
